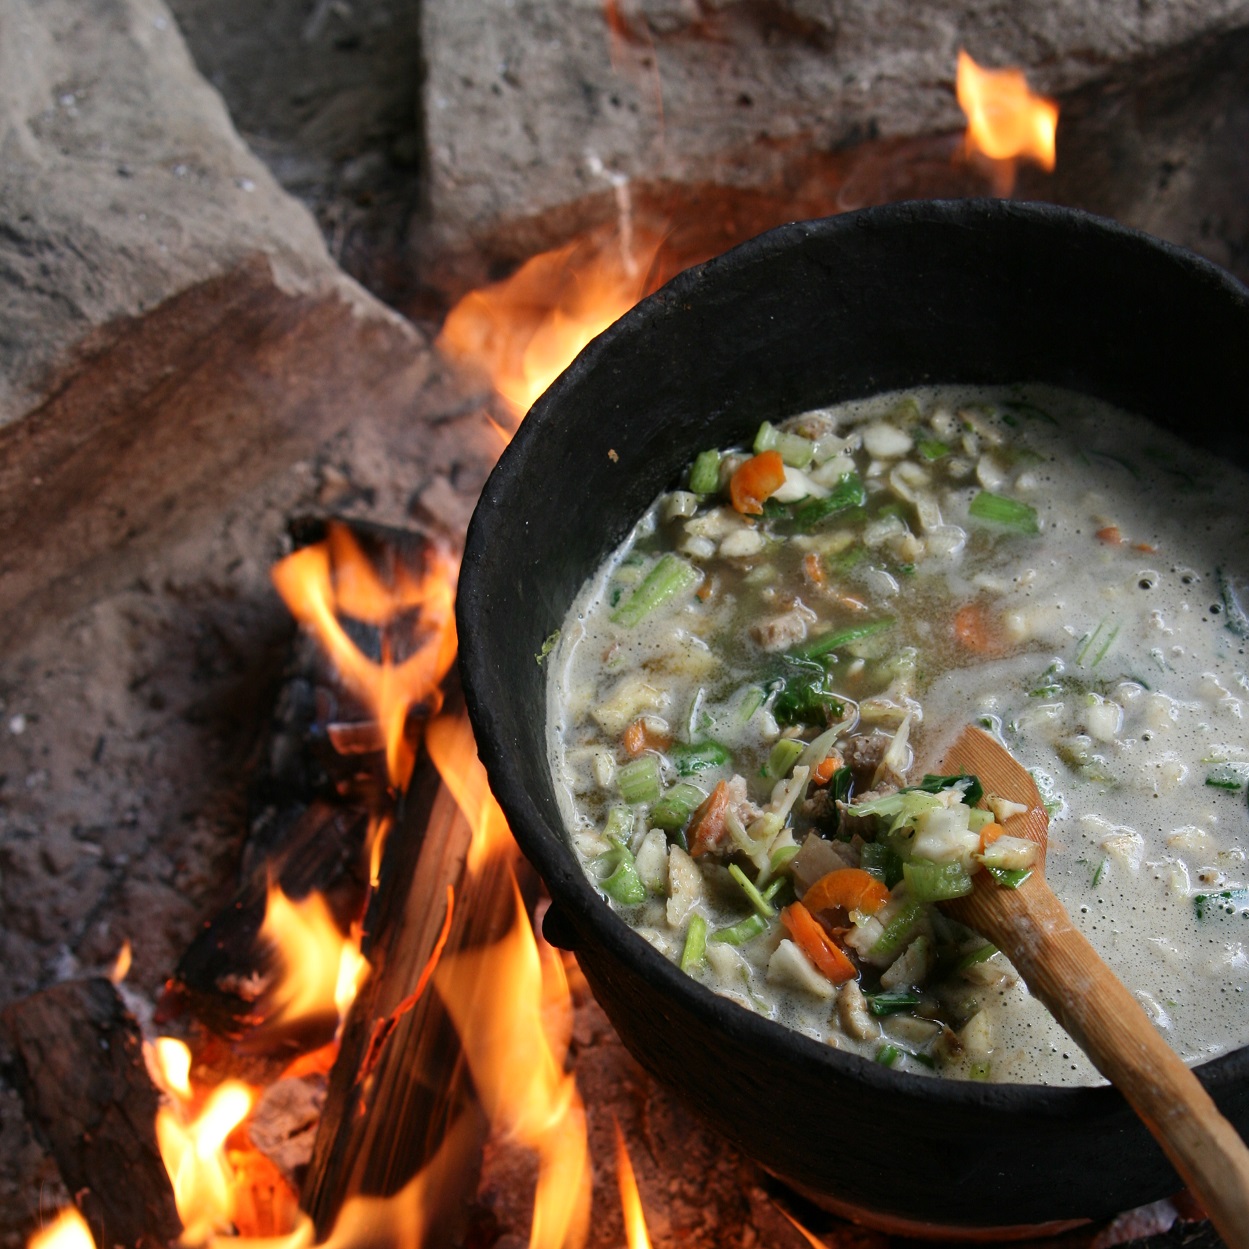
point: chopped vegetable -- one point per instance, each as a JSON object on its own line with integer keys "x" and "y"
{"x": 757, "y": 479}
{"x": 1235, "y": 620}
{"x": 898, "y": 929}
{"x": 997, "y": 509}
{"x": 741, "y": 932}
{"x": 674, "y": 809}
{"x": 670, "y": 577}
{"x": 846, "y": 494}
{"x": 706, "y": 829}
{"x": 757, "y": 900}
{"x": 699, "y": 756}
{"x": 805, "y": 695}
{"x": 638, "y": 781}
{"x": 695, "y": 949}
{"x": 783, "y": 756}
{"x": 1228, "y": 776}
{"x": 1009, "y": 877}
{"x": 622, "y": 881}
{"x": 826, "y": 643}
{"x": 889, "y": 1003}
{"x": 936, "y": 882}
{"x": 827, "y": 956}
{"x": 883, "y": 862}
{"x": 974, "y": 629}
{"x": 848, "y": 887}
{"x": 705, "y": 475}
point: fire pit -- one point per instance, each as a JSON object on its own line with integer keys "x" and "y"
{"x": 811, "y": 314}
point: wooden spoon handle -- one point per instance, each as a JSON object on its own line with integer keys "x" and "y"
{"x": 1062, "y": 969}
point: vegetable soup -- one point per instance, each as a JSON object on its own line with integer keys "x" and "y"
{"x": 743, "y": 698}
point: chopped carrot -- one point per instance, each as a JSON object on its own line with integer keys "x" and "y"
{"x": 757, "y": 479}
{"x": 1110, "y": 535}
{"x": 989, "y": 834}
{"x": 706, "y": 829}
{"x": 849, "y": 887}
{"x": 974, "y": 629}
{"x": 828, "y": 957}
{"x": 813, "y": 568}
{"x": 639, "y": 736}
{"x": 823, "y": 771}
{"x": 707, "y": 587}
{"x": 1147, "y": 547}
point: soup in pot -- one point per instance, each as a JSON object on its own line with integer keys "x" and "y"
{"x": 739, "y": 697}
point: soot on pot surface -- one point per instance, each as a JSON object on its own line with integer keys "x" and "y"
{"x": 811, "y": 315}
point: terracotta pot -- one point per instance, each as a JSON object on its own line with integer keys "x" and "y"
{"x": 806, "y": 315}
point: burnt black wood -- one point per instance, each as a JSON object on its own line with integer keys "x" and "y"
{"x": 814, "y": 313}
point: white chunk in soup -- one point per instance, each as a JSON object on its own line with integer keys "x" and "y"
{"x": 742, "y": 699}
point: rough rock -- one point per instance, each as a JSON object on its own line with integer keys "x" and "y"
{"x": 538, "y": 116}
{"x": 172, "y": 328}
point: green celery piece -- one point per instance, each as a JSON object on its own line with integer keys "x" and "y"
{"x": 765, "y": 438}
{"x": 698, "y": 756}
{"x": 762, "y": 906}
{"x": 887, "y": 1055}
{"x": 1009, "y": 877}
{"x": 741, "y": 932}
{"x": 783, "y": 756}
{"x": 890, "y": 1003}
{"x": 847, "y": 493}
{"x": 673, "y": 810}
{"x": 826, "y": 643}
{"x": 936, "y": 882}
{"x": 668, "y": 578}
{"x": 695, "y": 949}
{"x": 780, "y": 858}
{"x": 795, "y": 450}
{"x": 997, "y": 509}
{"x": 705, "y": 474}
{"x": 619, "y": 826}
{"x": 898, "y": 929}
{"x": 1099, "y": 873}
{"x": 979, "y": 1070}
{"x": 623, "y": 882}
{"x": 638, "y": 780}
{"x": 981, "y": 954}
{"x": 932, "y": 448}
{"x": 752, "y": 700}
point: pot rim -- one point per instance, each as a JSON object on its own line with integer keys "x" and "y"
{"x": 580, "y": 905}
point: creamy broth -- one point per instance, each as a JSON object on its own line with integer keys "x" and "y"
{"x": 1065, "y": 575}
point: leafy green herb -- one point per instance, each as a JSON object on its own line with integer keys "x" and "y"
{"x": 882, "y": 861}
{"x": 1097, "y": 644}
{"x": 547, "y": 646}
{"x": 1232, "y": 776}
{"x": 1229, "y": 902}
{"x": 1099, "y": 873}
{"x": 698, "y": 756}
{"x": 981, "y": 954}
{"x": 932, "y": 448}
{"x": 847, "y": 493}
{"x": 997, "y": 509}
{"x": 973, "y": 790}
{"x": 1235, "y": 620}
{"x": 757, "y": 900}
{"x": 805, "y": 695}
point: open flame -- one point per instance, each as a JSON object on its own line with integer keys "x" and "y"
{"x": 1006, "y": 121}
{"x": 524, "y": 331}
{"x": 320, "y": 970}
{"x": 68, "y": 1230}
{"x": 636, "y": 1235}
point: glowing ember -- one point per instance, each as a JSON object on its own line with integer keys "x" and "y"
{"x": 511, "y": 1007}
{"x": 321, "y": 970}
{"x": 193, "y": 1144}
{"x": 319, "y": 583}
{"x": 523, "y": 332}
{"x": 121, "y": 964}
{"x": 68, "y": 1230}
{"x": 636, "y": 1235}
{"x": 1005, "y": 120}
{"x": 813, "y": 1241}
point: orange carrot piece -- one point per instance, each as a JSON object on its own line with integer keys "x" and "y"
{"x": 829, "y": 958}
{"x": 823, "y": 771}
{"x": 974, "y": 630}
{"x": 639, "y": 736}
{"x": 1110, "y": 535}
{"x": 849, "y": 887}
{"x": 989, "y": 834}
{"x": 757, "y": 479}
{"x": 813, "y": 568}
{"x": 1147, "y": 547}
{"x": 706, "y": 829}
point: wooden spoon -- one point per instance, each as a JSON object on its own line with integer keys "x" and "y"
{"x": 1032, "y": 928}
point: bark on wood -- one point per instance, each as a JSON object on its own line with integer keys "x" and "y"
{"x": 78, "y": 1064}
{"x": 400, "y": 1087}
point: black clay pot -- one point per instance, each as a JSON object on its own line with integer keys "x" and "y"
{"x": 806, "y": 315}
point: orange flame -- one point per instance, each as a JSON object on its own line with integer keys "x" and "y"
{"x": 193, "y": 1143}
{"x": 524, "y": 331}
{"x": 636, "y": 1235}
{"x": 321, "y": 970}
{"x": 121, "y": 964}
{"x": 68, "y": 1230}
{"x": 510, "y": 1004}
{"x": 1005, "y": 120}
{"x": 811, "y": 1239}
{"x": 320, "y": 582}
